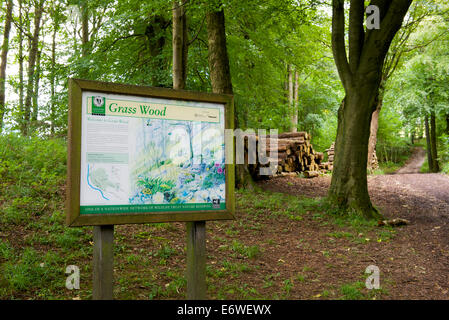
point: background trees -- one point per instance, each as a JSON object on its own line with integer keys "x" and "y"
{"x": 131, "y": 42}
{"x": 280, "y": 63}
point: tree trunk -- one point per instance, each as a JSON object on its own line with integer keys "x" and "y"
{"x": 290, "y": 95}
{"x": 360, "y": 73}
{"x": 53, "y": 81}
{"x": 85, "y": 29}
{"x": 433, "y": 142}
{"x": 374, "y": 127}
{"x": 36, "y": 88}
{"x": 31, "y": 66}
{"x": 220, "y": 75}
{"x": 20, "y": 58}
{"x": 349, "y": 186}
{"x": 447, "y": 124}
{"x": 429, "y": 145}
{"x": 295, "y": 103}
{"x": 156, "y": 42}
{"x": 180, "y": 45}
{"x": 4, "y": 57}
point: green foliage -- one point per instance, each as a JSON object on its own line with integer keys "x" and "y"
{"x": 32, "y": 172}
{"x": 165, "y": 252}
{"x": 6, "y": 251}
{"x": 444, "y": 152}
{"x": 278, "y": 203}
{"x": 31, "y": 271}
{"x": 155, "y": 185}
{"x": 251, "y": 252}
{"x": 352, "y": 291}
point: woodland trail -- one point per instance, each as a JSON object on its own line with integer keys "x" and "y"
{"x": 415, "y": 162}
{"x": 418, "y": 257}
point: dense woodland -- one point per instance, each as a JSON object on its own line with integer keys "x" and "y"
{"x": 293, "y": 65}
{"x": 277, "y": 58}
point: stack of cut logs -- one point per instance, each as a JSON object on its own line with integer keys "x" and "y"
{"x": 295, "y": 154}
{"x": 331, "y": 152}
{"x": 330, "y": 156}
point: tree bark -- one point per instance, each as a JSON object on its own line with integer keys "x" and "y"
{"x": 53, "y": 80}
{"x": 374, "y": 127}
{"x": 85, "y": 29}
{"x": 31, "y": 66}
{"x": 295, "y": 103}
{"x": 156, "y": 42}
{"x": 3, "y": 64}
{"x": 290, "y": 95}
{"x": 447, "y": 124}
{"x": 429, "y": 144}
{"x": 180, "y": 45}
{"x": 360, "y": 74}
{"x": 349, "y": 185}
{"x": 433, "y": 142}
{"x": 220, "y": 75}
{"x": 37, "y": 77}
{"x": 20, "y": 58}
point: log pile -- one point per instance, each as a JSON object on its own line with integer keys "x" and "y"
{"x": 330, "y": 156}
{"x": 331, "y": 153}
{"x": 295, "y": 154}
{"x": 374, "y": 162}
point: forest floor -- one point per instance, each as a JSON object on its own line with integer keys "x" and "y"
{"x": 282, "y": 244}
{"x": 415, "y": 262}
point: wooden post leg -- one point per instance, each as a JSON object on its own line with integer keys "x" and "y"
{"x": 196, "y": 260}
{"x": 103, "y": 262}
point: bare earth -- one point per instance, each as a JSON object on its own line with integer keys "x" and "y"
{"x": 416, "y": 261}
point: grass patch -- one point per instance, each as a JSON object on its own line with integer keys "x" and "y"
{"x": 358, "y": 291}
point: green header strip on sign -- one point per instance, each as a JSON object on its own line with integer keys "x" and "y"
{"x": 120, "y": 158}
{"x": 149, "y": 208}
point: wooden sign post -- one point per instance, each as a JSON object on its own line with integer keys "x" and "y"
{"x": 196, "y": 260}
{"x": 141, "y": 155}
{"x": 103, "y": 265}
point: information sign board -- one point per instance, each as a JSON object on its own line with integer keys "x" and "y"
{"x": 141, "y": 154}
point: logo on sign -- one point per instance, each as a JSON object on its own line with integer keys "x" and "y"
{"x": 98, "y": 106}
{"x": 216, "y": 203}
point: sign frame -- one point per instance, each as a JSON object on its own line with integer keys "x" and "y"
{"x": 73, "y": 216}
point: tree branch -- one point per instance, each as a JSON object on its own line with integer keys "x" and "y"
{"x": 123, "y": 38}
{"x": 199, "y": 30}
{"x": 338, "y": 42}
{"x": 356, "y": 33}
{"x": 378, "y": 41}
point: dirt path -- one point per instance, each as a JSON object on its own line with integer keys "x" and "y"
{"x": 418, "y": 258}
{"x": 415, "y": 162}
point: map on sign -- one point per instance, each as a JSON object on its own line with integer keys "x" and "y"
{"x": 147, "y": 155}
{"x": 106, "y": 180}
